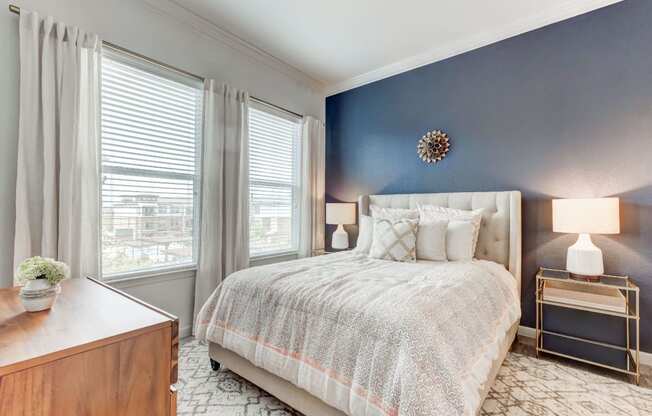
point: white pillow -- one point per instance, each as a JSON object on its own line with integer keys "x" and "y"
{"x": 365, "y": 234}
{"x": 460, "y": 236}
{"x": 431, "y": 240}
{"x": 432, "y": 212}
{"x": 393, "y": 213}
{"x": 394, "y": 240}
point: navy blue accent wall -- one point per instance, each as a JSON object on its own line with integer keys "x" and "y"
{"x": 563, "y": 111}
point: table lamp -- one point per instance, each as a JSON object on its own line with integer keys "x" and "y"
{"x": 585, "y": 216}
{"x": 340, "y": 214}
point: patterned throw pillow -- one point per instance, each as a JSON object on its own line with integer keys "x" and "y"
{"x": 394, "y": 240}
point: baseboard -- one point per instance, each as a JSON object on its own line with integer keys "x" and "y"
{"x": 185, "y": 331}
{"x": 528, "y": 332}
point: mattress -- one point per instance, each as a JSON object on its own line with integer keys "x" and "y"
{"x": 370, "y": 337}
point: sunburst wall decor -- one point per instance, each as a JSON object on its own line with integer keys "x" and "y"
{"x": 433, "y": 146}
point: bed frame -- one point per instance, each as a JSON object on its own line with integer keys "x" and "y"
{"x": 499, "y": 241}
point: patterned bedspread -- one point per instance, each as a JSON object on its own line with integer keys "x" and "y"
{"x": 369, "y": 337}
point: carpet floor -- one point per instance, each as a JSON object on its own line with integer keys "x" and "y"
{"x": 525, "y": 386}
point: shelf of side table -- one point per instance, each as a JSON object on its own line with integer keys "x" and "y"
{"x": 624, "y": 286}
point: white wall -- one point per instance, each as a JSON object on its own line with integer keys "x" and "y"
{"x": 161, "y": 30}
{"x": 172, "y": 292}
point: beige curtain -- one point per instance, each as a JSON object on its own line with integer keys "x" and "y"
{"x": 313, "y": 166}
{"x": 224, "y": 246}
{"x": 57, "y": 185}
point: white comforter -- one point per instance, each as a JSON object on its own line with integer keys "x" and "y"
{"x": 369, "y": 337}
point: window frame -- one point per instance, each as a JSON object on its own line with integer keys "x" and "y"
{"x": 295, "y": 187}
{"x": 160, "y": 70}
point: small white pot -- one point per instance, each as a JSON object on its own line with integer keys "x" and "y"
{"x": 38, "y": 295}
{"x": 39, "y": 304}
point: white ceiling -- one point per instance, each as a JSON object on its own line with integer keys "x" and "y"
{"x": 346, "y": 43}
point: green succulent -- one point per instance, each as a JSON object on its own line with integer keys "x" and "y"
{"x": 42, "y": 268}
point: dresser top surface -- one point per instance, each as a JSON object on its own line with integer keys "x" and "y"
{"x": 86, "y": 315}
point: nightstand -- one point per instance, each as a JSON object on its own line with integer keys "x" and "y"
{"x": 611, "y": 297}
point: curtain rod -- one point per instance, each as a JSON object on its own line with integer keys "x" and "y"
{"x": 16, "y": 9}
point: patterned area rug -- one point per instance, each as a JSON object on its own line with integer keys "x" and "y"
{"x": 525, "y": 386}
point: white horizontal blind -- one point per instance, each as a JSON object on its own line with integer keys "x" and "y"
{"x": 273, "y": 180}
{"x": 150, "y": 128}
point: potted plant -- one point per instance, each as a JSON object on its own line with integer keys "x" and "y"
{"x": 40, "y": 277}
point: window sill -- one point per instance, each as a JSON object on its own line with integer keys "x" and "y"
{"x": 148, "y": 274}
{"x": 273, "y": 257}
{"x": 275, "y": 254}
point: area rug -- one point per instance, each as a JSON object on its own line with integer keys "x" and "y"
{"x": 525, "y": 386}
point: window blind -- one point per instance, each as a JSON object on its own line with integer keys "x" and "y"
{"x": 150, "y": 135}
{"x": 273, "y": 180}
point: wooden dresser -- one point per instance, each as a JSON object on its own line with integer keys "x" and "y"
{"x": 98, "y": 351}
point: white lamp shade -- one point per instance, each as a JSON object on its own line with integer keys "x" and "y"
{"x": 340, "y": 213}
{"x": 586, "y": 215}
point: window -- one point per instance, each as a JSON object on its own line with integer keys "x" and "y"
{"x": 273, "y": 180}
{"x": 151, "y": 127}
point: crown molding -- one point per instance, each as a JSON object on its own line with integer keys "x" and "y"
{"x": 172, "y": 9}
{"x": 565, "y": 11}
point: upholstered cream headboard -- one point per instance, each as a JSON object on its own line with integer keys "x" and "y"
{"x": 500, "y": 232}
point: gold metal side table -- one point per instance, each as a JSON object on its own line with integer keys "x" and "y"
{"x": 612, "y": 295}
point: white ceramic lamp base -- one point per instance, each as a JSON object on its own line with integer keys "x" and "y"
{"x": 584, "y": 258}
{"x": 340, "y": 240}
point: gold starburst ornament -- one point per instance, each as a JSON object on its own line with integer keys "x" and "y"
{"x": 433, "y": 146}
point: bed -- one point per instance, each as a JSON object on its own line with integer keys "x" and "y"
{"x": 343, "y": 334}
